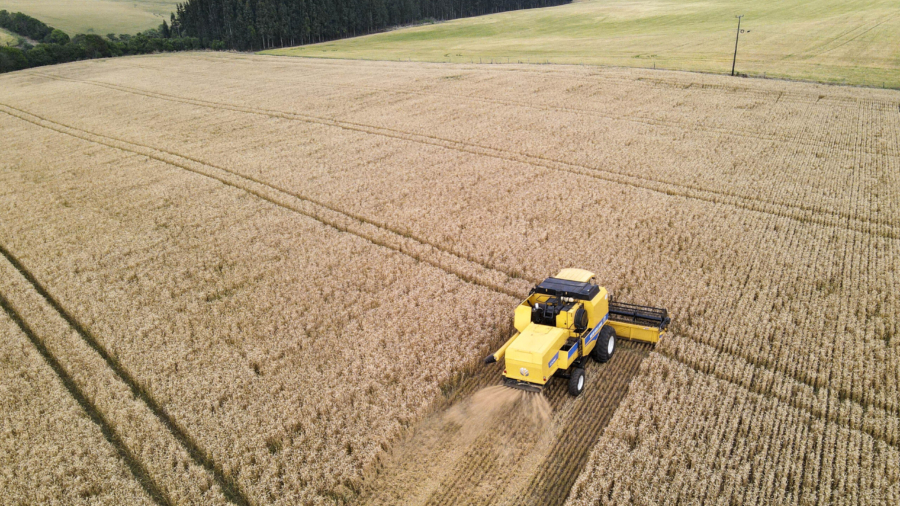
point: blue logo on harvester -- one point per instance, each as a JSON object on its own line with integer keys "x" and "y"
{"x": 553, "y": 360}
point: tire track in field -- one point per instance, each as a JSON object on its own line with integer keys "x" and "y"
{"x": 800, "y": 98}
{"x": 809, "y": 53}
{"x": 701, "y": 371}
{"x": 799, "y": 212}
{"x": 483, "y": 278}
{"x": 521, "y": 68}
{"x": 757, "y": 388}
{"x": 485, "y": 275}
{"x": 839, "y": 145}
{"x": 134, "y": 465}
{"x": 858, "y": 35}
{"x": 229, "y": 487}
{"x": 496, "y": 450}
{"x": 796, "y": 140}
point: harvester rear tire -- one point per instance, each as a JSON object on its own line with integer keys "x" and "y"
{"x": 606, "y": 345}
{"x": 576, "y": 382}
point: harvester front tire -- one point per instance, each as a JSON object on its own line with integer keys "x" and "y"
{"x": 606, "y": 345}
{"x": 576, "y": 382}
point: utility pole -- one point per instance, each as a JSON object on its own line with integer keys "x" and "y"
{"x": 736, "y": 37}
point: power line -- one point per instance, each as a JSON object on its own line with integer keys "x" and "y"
{"x": 736, "y": 37}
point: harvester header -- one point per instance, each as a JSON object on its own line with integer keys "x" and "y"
{"x": 565, "y": 319}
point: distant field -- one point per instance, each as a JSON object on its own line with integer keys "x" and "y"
{"x": 6, "y": 38}
{"x": 95, "y": 16}
{"x": 852, "y": 42}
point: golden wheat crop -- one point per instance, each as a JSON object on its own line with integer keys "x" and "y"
{"x": 291, "y": 259}
{"x": 165, "y": 466}
{"x": 736, "y": 447}
{"x": 50, "y": 451}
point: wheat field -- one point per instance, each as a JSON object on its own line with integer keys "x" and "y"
{"x": 50, "y": 452}
{"x": 269, "y": 278}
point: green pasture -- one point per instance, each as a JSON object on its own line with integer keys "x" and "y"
{"x": 7, "y": 38}
{"x": 95, "y": 16}
{"x": 852, "y": 42}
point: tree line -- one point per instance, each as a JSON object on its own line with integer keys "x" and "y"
{"x": 239, "y": 24}
{"x": 262, "y": 24}
{"x": 27, "y": 26}
{"x": 45, "y": 45}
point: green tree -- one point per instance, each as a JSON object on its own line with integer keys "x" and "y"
{"x": 94, "y": 46}
{"x": 39, "y": 56}
{"x": 57, "y": 37}
{"x": 12, "y": 58}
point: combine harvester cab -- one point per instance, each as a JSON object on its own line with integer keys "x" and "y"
{"x": 564, "y": 320}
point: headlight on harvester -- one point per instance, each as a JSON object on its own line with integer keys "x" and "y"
{"x": 523, "y": 371}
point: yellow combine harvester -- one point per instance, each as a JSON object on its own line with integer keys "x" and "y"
{"x": 565, "y": 319}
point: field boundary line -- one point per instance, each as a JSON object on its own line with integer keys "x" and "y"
{"x": 333, "y": 223}
{"x": 109, "y": 433}
{"x": 771, "y": 394}
{"x": 796, "y": 212}
{"x": 229, "y": 487}
{"x": 153, "y": 153}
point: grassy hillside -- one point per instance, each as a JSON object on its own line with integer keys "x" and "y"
{"x": 854, "y": 42}
{"x": 7, "y": 38}
{"x": 95, "y": 16}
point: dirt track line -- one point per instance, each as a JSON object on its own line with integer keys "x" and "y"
{"x": 856, "y": 36}
{"x": 790, "y": 401}
{"x": 772, "y": 365}
{"x": 154, "y": 153}
{"x": 601, "y": 72}
{"x": 182, "y": 162}
{"x": 796, "y": 98}
{"x": 134, "y": 465}
{"x": 229, "y": 487}
{"x": 334, "y": 224}
{"x": 796, "y": 212}
{"x": 636, "y": 119}
{"x": 337, "y": 226}
{"x": 641, "y": 120}
{"x": 650, "y": 184}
